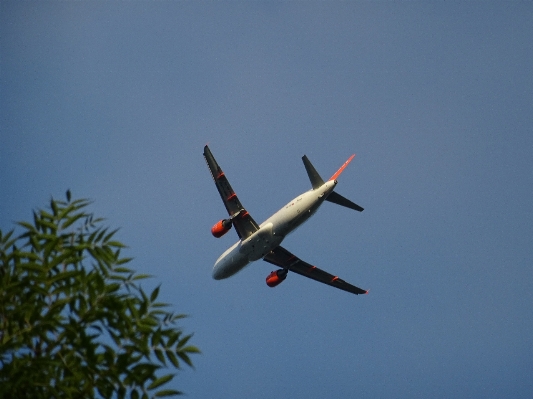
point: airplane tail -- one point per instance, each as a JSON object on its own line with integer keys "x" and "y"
{"x": 317, "y": 182}
{"x": 340, "y": 200}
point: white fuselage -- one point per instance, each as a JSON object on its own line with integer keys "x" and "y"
{"x": 271, "y": 232}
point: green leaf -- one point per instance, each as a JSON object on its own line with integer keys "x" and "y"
{"x": 191, "y": 349}
{"x": 145, "y": 298}
{"x": 160, "y": 357}
{"x": 36, "y": 220}
{"x": 160, "y": 305}
{"x": 116, "y": 244}
{"x": 173, "y": 359}
{"x": 113, "y": 287}
{"x": 32, "y": 266}
{"x": 28, "y": 256}
{"x": 100, "y": 235}
{"x": 6, "y": 237}
{"x": 185, "y": 358}
{"x": 49, "y": 247}
{"x": 92, "y": 236}
{"x": 155, "y": 293}
{"x": 174, "y": 336}
{"x": 122, "y": 270}
{"x": 71, "y": 220}
{"x": 35, "y": 243}
{"x": 142, "y": 276}
{"x": 108, "y": 237}
{"x": 156, "y": 337}
{"x": 123, "y": 261}
{"x": 184, "y": 340}
{"x": 52, "y": 226}
{"x": 27, "y": 226}
{"x": 168, "y": 392}
{"x": 160, "y": 381}
{"x": 45, "y": 215}
{"x": 53, "y": 205}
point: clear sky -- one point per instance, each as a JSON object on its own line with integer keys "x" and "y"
{"x": 115, "y": 100}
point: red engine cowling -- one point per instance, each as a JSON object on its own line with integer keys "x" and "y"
{"x": 221, "y": 228}
{"x": 276, "y": 277}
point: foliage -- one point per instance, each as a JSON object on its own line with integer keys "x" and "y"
{"x": 74, "y": 321}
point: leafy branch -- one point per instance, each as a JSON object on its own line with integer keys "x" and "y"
{"x": 74, "y": 321}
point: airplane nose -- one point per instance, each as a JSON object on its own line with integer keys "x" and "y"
{"x": 217, "y": 275}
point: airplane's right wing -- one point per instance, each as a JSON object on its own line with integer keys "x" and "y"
{"x": 284, "y": 259}
{"x": 244, "y": 224}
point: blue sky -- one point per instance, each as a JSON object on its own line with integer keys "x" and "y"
{"x": 115, "y": 100}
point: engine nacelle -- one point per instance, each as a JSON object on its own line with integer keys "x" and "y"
{"x": 276, "y": 277}
{"x": 221, "y": 228}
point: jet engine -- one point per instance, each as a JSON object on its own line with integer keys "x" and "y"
{"x": 221, "y": 228}
{"x": 276, "y": 277}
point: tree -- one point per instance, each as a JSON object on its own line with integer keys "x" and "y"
{"x": 74, "y": 321}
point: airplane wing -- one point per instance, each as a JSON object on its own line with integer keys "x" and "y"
{"x": 283, "y": 258}
{"x": 244, "y": 224}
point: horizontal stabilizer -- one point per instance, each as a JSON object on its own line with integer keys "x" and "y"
{"x": 340, "y": 200}
{"x": 316, "y": 180}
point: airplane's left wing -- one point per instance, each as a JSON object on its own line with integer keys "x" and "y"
{"x": 284, "y": 259}
{"x": 244, "y": 224}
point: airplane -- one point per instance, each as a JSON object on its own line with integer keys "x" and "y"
{"x": 263, "y": 241}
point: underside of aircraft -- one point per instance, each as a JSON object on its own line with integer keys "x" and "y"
{"x": 263, "y": 241}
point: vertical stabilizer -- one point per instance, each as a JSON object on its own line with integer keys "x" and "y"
{"x": 316, "y": 180}
{"x": 337, "y": 174}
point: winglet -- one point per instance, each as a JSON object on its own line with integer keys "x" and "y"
{"x": 342, "y": 168}
{"x": 211, "y": 163}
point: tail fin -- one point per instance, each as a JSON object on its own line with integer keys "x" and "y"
{"x": 316, "y": 180}
{"x": 337, "y": 174}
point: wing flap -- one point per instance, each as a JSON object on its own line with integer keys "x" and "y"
{"x": 284, "y": 259}
{"x": 244, "y": 224}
